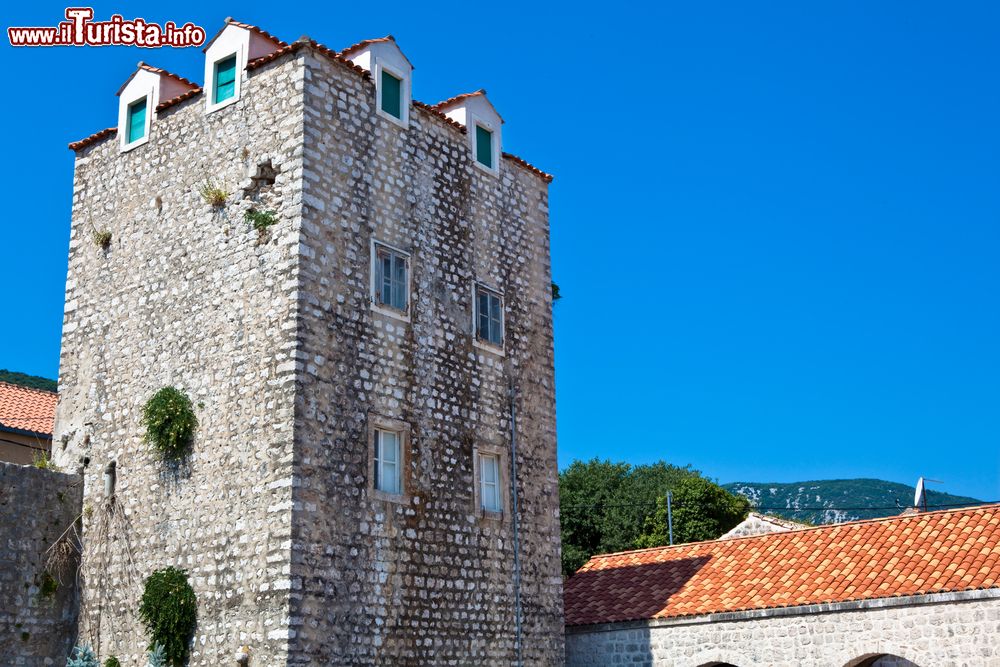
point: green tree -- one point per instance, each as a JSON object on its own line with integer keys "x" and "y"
{"x": 603, "y": 505}
{"x": 702, "y": 510}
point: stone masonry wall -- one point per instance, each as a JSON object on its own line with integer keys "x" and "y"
{"x": 37, "y": 623}
{"x": 427, "y": 580}
{"x": 949, "y": 632}
{"x": 192, "y": 297}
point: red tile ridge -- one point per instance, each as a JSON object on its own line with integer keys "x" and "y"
{"x": 452, "y": 101}
{"x": 246, "y": 26}
{"x": 93, "y": 139}
{"x": 180, "y": 98}
{"x": 156, "y": 70}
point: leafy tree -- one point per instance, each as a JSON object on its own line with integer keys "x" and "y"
{"x": 701, "y": 509}
{"x": 603, "y": 505}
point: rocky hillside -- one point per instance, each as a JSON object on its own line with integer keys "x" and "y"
{"x": 838, "y": 500}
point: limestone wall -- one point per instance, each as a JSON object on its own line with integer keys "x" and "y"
{"x": 37, "y": 608}
{"x": 427, "y": 580}
{"x": 189, "y": 296}
{"x": 949, "y": 630}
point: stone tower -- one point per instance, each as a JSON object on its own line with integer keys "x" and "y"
{"x": 354, "y": 364}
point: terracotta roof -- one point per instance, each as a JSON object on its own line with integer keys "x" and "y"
{"x": 932, "y": 552}
{"x": 156, "y": 70}
{"x": 93, "y": 139}
{"x": 246, "y": 26}
{"x": 194, "y": 92}
{"x": 350, "y": 50}
{"x": 305, "y": 41}
{"x": 25, "y": 409}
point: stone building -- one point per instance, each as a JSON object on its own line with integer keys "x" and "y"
{"x": 920, "y": 590}
{"x": 362, "y": 320}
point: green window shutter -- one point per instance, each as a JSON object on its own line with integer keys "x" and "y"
{"x": 484, "y": 146}
{"x": 225, "y": 79}
{"x": 136, "y": 129}
{"x": 392, "y": 97}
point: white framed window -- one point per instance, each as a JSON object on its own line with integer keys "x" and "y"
{"x": 392, "y": 93}
{"x": 489, "y": 482}
{"x": 489, "y": 470}
{"x": 485, "y": 145}
{"x": 223, "y": 80}
{"x": 487, "y": 316}
{"x": 388, "y": 441}
{"x": 387, "y": 461}
{"x": 136, "y": 122}
{"x": 390, "y": 280}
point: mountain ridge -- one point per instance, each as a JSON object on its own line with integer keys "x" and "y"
{"x": 839, "y": 500}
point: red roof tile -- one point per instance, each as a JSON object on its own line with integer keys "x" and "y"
{"x": 156, "y": 70}
{"x": 24, "y": 409}
{"x": 246, "y": 26}
{"x": 932, "y": 552}
{"x": 93, "y": 139}
{"x": 194, "y": 92}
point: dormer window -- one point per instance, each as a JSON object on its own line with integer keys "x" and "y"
{"x": 484, "y": 147}
{"x": 224, "y": 80}
{"x": 391, "y": 94}
{"x": 136, "y": 121}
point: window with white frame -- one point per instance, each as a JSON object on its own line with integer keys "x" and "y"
{"x": 388, "y": 461}
{"x": 135, "y": 120}
{"x": 489, "y": 483}
{"x": 391, "y": 280}
{"x": 484, "y": 147}
{"x": 488, "y": 315}
{"x": 391, "y": 94}
{"x": 224, "y": 79}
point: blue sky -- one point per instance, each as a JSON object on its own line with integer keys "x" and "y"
{"x": 776, "y": 225}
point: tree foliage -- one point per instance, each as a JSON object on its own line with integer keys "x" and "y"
{"x": 604, "y": 506}
{"x": 170, "y": 422}
{"x": 701, "y": 509}
{"x": 169, "y": 611}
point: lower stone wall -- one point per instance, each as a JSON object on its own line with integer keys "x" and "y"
{"x": 37, "y": 614}
{"x": 953, "y": 630}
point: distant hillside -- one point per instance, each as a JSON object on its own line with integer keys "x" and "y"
{"x": 838, "y": 500}
{"x": 24, "y": 380}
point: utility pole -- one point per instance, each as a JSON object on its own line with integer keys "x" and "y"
{"x": 670, "y": 520}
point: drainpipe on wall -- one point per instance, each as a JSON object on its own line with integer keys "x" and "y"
{"x": 516, "y": 526}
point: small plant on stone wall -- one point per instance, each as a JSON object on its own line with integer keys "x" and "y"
{"x": 42, "y": 461}
{"x": 170, "y": 422}
{"x": 102, "y": 238}
{"x": 169, "y": 611}
{"x": 112, "y": 662}
{"x": 82, "y": 656}
{"x": 157, "y": 657}
{"x": 260, "y": 220}
{"x": 47, "y": 587}
{"x": 213, "y": 195}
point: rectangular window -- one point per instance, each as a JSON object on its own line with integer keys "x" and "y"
{"x": 489, "y": 482}
{"x": 388, "y": 466}
{"x": 225, "y": 79}
{"x": 136, "y": 120}
{"x": 484, "y": 146}
{"x": 390, "y": 278}
{"x": 392, "y": 99}
{"x": 489, "y": 316}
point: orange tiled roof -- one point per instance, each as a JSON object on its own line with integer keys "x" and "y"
{"x": 229, "y": 20}
{"x": 932, "y": 552}
{"x": 157, "y": 70}
{"x": 25, "y": 409}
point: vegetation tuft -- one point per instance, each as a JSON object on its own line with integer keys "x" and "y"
{"x": 170, "y": 422}
{"x": 213, "y": 195}
{"x": 169, "y": 611}
{"x": 260, "y": 220}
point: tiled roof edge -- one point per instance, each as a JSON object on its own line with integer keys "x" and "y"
{"x": 180, "y": 98}
{"x": 93, "y": 139}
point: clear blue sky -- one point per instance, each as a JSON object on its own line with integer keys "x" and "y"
{"x": 776, "y": 224}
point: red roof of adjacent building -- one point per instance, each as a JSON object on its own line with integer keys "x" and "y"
{"x": 24, "y": 409}
{"x": 931, "y": 552}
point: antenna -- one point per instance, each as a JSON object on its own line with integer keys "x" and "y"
{"x": 920, "y": 497}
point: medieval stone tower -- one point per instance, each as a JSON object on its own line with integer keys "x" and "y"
{"x": 371, "y": 369}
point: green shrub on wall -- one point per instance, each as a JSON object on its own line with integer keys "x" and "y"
{"x": 170, "y": 422}
{"x": 169, "y": 611}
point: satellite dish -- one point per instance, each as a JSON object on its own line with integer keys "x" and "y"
{"x": 920, "y": 497}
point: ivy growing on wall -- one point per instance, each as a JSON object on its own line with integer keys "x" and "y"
{"x": 169, "y": 611}
{"x": 170, "y": 422}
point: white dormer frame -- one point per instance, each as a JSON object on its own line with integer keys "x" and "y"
{"x": 123, "y": 108}
{"x": 494, "y": 130}
{"x": 377, "y": 55}
{"x": 474, "y": 110}
{"x": 233, "y": 40}
{"x": 404, "y": 94}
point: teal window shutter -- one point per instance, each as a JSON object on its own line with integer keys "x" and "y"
{"x": 136, "y": 129}
{"x": 392, "y": 98}
{"x": 225, "y": 79}
{"x": 484, "y": 146}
